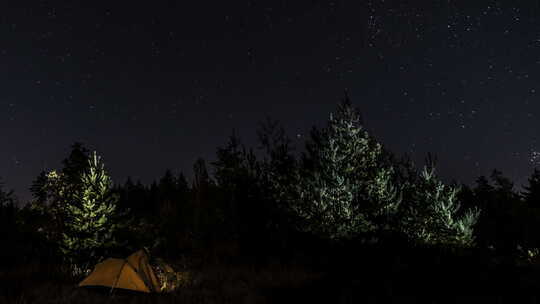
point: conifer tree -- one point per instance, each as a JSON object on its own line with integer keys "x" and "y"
{"x": 280, "y": 168}
{"x": 531, "y": 195}
{"x": 7, "y": 210}
{"x": 91, "y": 219}
{"x": 505, "y": 207}
{"x": 278, "y": 184}
{"x": 346, "y": 189}
{"x": 430, "y": 212}
{"x": 51, "y": 197}
{"x": 53, "y": 191}
{"x": 6, "y": 197}
{"x": 38, "y": 188}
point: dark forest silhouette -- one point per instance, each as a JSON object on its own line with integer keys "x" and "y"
{"x": 259, "y": 211}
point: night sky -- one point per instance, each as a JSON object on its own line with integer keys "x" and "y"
{"x": 155, "y": 85}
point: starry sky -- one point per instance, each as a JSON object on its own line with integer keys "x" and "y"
{"x": 155, "y": 85}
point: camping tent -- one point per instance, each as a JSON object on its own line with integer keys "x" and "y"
{"x": 133, "y": 273}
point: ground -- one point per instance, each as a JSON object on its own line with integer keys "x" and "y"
{"x": 397, "y": 279}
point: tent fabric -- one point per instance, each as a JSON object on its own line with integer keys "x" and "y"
{"x": 140, "y": 262}
{"x": 134, "y": 273}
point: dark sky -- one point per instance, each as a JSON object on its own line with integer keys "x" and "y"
{"x": 155, "y": 85}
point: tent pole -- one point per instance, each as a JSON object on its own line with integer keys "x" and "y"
{"x": 118, "y": 276}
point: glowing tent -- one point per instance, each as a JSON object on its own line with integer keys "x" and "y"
{"x": 134, "y": 273}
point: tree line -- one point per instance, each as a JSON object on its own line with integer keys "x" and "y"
{"x": 344, "y": 188}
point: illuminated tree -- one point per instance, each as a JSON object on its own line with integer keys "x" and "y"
{"x": 347, "y": 188}
{"x": 430, "y": 213}
{"x": 91, "y": 219}
{"x": 53, "y": 191}
{"x": 50, "y": 200}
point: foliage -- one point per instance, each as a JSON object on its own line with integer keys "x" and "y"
{"x": 236, "y": 171}
{"x": 345, "y": 188}
{"x": 251, "y": 191}
{"x": 8, "y": 212}
{"x": 430, "y": 212}
{"x": 278, "y": 185}
{"x": 53, "y": 191}
{"x": 7, "y": 197}
{"x": 280, "y": 168}
{"x": 52, "y": 210}
{"x": 531, "y": 195}
{"x": 92, "y": 219}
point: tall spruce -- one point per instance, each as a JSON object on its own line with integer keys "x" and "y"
{"x": 53, "y": 191}
{"x": 280, "y": 168}
{"x": 531, "y": 195}
{"x": 430, "y": 212}
{"x": 91, "y": 220}
{"x": 38, "y": 188}
{"x": 8, "y": 210}
{"x": 346, "y": 190}
{"x": 279, "y": 180}
{"x": 237, "y": 173}
{"x": 54, "y": 195}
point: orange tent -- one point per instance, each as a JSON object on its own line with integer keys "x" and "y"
{"x": 134, "y": 273}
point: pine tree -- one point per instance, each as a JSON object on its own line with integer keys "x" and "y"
{"x": 50, "y": 205}
{"x": 531, "y": 195}
{"x": 38, "y": 188}
{"x": 53, "y": 191}
{"x": 484, "y": 195}
{"x": 346, "y": 189}
{"x": 7, "y": 211}
{"x": 278, "y": 181}
{"x": 505, "y": 207}
{"x": 73, "y": 168}
{"x": 280, "y": 168}
{"x": 430, "y": 213}
{"x": 167, "y": 195}
{"x": 6, "y": 197}
{"x": 91, "y": 219}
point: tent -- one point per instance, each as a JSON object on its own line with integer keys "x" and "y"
{"x": 134, "y": 273}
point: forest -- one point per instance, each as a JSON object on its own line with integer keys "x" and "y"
{"x": 341, "y": 220}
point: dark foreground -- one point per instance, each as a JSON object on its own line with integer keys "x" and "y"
{"x": 422, "y": 277}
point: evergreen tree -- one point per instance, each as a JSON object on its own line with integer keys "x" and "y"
{"x": 38, "y": 188}
{"x": 278, "y": 178}
{"x": 7, "y": 211}
{"x": 125, "y": 198}
{"x": 9, "y": 228}
{"x": 531, "y": 195}
{"x": 466, "y": 198}
{"x": 55, "y": 190}
{"x": 52, "y": 210}
{"x": 183, "y": 186}
{"x": 430, "y": 212}
{"x": 73, "y": 168}
{"x": 506, "y": 207}
{"x": 280, "y": 168}
{"x": 205, "y": 213}
{"x": 346, "y": 190}
{"x": 91, "y": 220}
{"x": 487, "y": 223}
{"x": 6, "y": 197}
{"x": 77, "y": 161}
{"x": 237, "y": 173}
{"x": 167, "y": 194}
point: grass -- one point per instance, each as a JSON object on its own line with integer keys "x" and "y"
{"x": 417, "y": 280}
{"x": 38, "y": 283}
